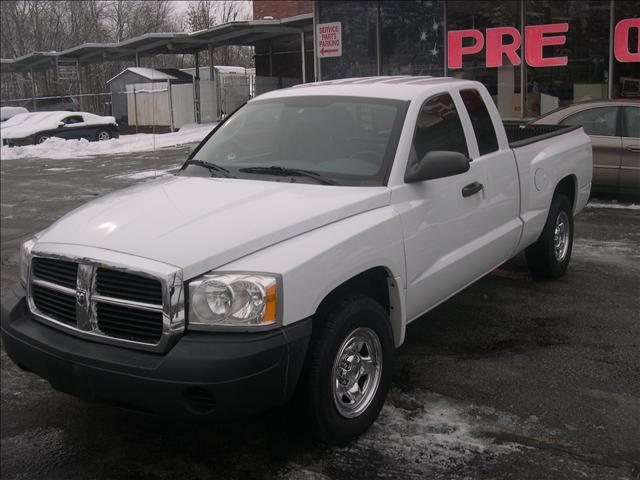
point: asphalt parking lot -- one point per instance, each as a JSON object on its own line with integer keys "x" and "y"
{"x": 509, "y": 379}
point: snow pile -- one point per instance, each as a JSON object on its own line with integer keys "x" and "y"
{"x": 57, "y": 148}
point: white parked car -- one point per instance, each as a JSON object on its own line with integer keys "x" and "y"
{"x": 292, "y": 250}
{"x": 37, "y": 127}
{"x": 7, "y": 112}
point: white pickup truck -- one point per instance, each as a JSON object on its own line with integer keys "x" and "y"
{"x": 289, "y": 253}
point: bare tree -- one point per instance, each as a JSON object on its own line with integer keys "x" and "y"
{"x": 203, "y": 14}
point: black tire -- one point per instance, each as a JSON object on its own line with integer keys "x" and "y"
{"x": 40, "y": 138}
{"x": 541, "y": 256}
{"x": 102, "y": 133}
{"x": 316, "y": 396}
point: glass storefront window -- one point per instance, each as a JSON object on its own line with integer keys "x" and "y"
{"x": 359, "y": 38}
{"x": 626, "y": 75}
{"x": 502, "y": 82}
{"x": 587, "y": 50}
{"x": 409, "y": 38}
{"x": 412, "y": 38}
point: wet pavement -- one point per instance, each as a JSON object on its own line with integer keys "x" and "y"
{"x": 509, "y": 379}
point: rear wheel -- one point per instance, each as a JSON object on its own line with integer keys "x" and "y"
{"x": 349, "y": 369}
{"x": 41, "y": 138}
{"x": 549, "y": 256}
{"x": 102, "y": 135}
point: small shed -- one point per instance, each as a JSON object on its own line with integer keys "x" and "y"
{"x": 120, "y": 86}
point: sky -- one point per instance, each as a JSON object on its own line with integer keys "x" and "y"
{"x": 181, "y": 6}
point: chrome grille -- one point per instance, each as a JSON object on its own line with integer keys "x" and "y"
{"x": 106, "y": 303}
{"x": 125, "y": 322}
{"x": 118, "y": 284}
{"x": 59, "y": 272}
{"x": 56, "y": 304}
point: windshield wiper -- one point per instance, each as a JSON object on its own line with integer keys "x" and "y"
{"x": 285, "y": 172}
{"x": 213, "y": 168}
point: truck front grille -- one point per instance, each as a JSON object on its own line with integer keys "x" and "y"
{"x": 118, "y": 284}
{"x": 55, "y": 304}
{"x": 56, "y": 271}
{"x": 104, "y": 302}
{"x": 129, "y": 323}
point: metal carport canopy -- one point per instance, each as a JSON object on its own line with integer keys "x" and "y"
{"x": 247, "y": 33}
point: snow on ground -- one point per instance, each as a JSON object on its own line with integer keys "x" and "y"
{"x": 57, "y": 148}
{"x": 417, "y": 435}
{"x": 146, "y": 174}
{"x": 613, "y": 204}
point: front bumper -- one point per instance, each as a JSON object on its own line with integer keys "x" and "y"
{"x": 217, "y": 375}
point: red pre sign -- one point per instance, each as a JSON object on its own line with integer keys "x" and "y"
{"x": 506, "y": 41}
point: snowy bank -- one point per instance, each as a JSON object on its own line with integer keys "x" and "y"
{"x": 613, "y": 204}
{"x": 57, "y": 148}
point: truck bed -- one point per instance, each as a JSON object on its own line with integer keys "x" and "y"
{"x": 525, "y": 134}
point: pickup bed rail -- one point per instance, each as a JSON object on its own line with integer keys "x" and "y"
{"x": 520, "y": 135}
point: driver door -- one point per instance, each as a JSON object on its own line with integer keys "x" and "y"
{"x": 442, "y": 226}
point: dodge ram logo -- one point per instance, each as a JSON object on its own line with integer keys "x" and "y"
{"x": 81, "y": 297}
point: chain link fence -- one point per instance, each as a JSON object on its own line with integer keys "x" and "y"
{"x": 98, "y": 103}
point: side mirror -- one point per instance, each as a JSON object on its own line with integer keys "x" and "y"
{"x": 437, "y": 164}
{"x": 61, "y": 124}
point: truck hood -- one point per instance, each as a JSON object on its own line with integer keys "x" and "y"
{"x": 199, "y": 224}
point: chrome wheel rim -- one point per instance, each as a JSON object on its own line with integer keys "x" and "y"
{"x": 561, "y": 236}
{"x": 356, "y": 372}
{"x": 103, "y": 136}
{"x": 43, "y": 139}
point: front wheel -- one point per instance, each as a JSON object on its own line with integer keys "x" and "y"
{"x": 549, "y": 256}
{"x": 349, "y": 369}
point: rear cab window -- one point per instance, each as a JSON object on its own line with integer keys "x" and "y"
{"x": 438, "y": 127}
{"x": 480, "y": 120}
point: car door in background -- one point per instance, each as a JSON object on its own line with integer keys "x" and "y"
{"x": 630, "y": 167}
{"x": 601, "y": 124}
{"x": 72, "y": 127}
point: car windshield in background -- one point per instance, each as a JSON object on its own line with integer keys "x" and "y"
{"x": 332, "y": 140}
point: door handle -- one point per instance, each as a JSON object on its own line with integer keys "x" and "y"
{"x": 472, "y": 189}
{"x": 633, "y": 148}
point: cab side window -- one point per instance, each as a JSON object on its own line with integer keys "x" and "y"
{"x": 438, "y": 127}
{"x": 599, "y": 121}
{"x": 480, "y": 120}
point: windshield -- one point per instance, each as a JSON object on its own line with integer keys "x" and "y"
{"x": 314, "y": 139}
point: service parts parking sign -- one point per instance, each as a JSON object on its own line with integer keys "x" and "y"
{"x": 329, "y": 38}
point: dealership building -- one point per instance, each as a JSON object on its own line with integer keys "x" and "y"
{"x": 533, "y": 55}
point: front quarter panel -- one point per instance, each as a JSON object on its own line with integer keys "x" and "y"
{"x": 313, "y": 264}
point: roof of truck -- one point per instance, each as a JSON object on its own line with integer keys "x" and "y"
{"x": 402, "y": 87}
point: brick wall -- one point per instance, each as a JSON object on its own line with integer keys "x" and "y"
{"x": 280, "y": 8}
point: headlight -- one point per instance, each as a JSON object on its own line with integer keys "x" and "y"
{"x": 24, "y": 260}
{"x": 233, "y": 300}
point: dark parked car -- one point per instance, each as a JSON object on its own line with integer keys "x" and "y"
{"x": 34, "y": 128}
